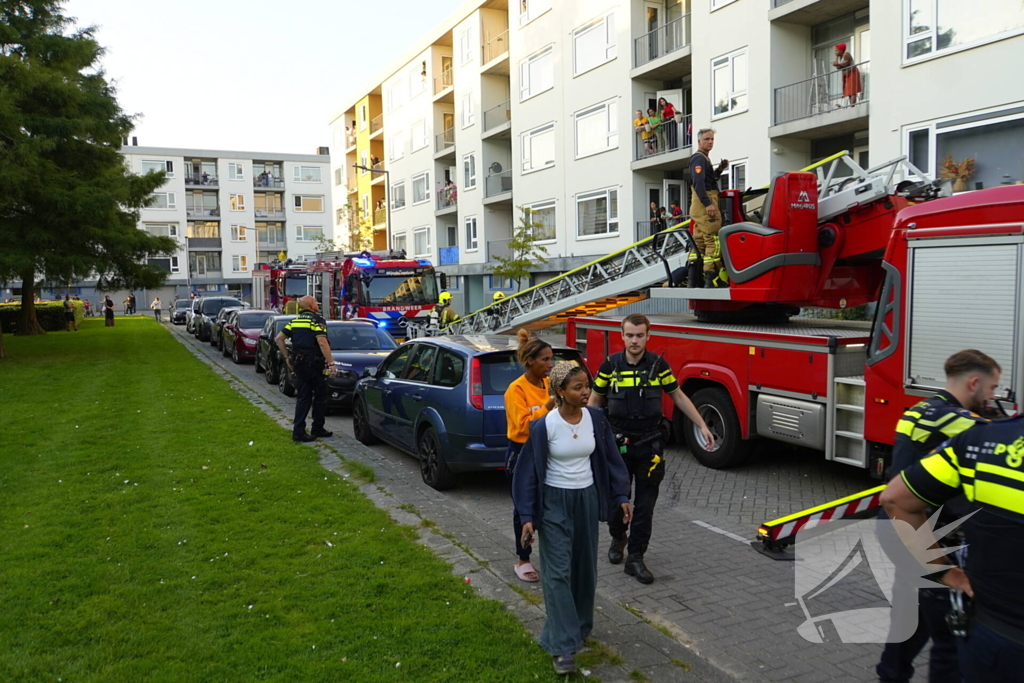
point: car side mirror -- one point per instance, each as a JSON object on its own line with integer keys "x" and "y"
{"x": 264, "y": 335}
{"x": 370, "y": 371}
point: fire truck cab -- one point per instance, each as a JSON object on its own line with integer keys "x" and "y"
{"x": 278, "y": 288}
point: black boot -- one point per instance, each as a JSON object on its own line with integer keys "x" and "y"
{"x": 709, "y": 280}
{"x": 615, "y": 551}
{"x": 635, "y": 567}
{"x": 694, "y": 278}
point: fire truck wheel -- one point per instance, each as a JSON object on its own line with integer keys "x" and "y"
{"x": 715, "y": 406}
{"x": 434, "y": 469}
{"x": 361, "y": 425}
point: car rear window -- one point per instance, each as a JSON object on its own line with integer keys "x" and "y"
{"x": 359, "y": 338}
{"x": 213, "y": 307}
{"x": 183, "y": 303}
{"x": 501, "y": 369}
{"x": 252, "y": 321}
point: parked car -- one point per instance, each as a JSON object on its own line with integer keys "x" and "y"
{"x": 442, "y": 399}
{"x": 355, "y": 346}
{"x": 179, "y": 311}
{"x": 218, "y": 324}
{"x": 240, "y": 333}
{"x": 190, "y": 315}
{"x": 268, "y": 358}
{"x": 207, "y": 309}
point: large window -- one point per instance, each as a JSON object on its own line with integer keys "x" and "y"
{"x": 162, "y": 229}
{"x": 306, "y": 174}
{"x": 729, "y": 83}
{"x": 593, "y": 44}
{"x": 238, "y": 233}
{"x": 398, "y": 195}
{"x": 203, "y": 229}
{"x": 420, "y": 188}
{"x": 468, "y": 116}
{"x": 538, "y": 148}
{"x": 537, "y": 73}
{"x": 472, "y": 244}
{"x": 421, "y": 241}
{"x": 469, "y": 171}
{"x": 270, "y": 234}
{"x": 204, "y": 262}
{"x": 596, "y": 129}
{"x": 306, "y": 202}
{"x": 934, "y": 26}
{"x": 309, "y": 233}
{"x": 399, "y": 242}
{"x": 236, "y": 171}
{"x": 163, "y": 200}
{"x": 531, "y": 9}
{"x": 419, "y": 135}
{"x": 542, "y": 216}
{"x": 239, "y": 264}
{"x": 396, "y": 144}
{"x": 154, "y": 166}
{"x": 236, "y": 202}
{"x": 597, "y": 213}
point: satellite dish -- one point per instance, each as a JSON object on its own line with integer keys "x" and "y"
{"x": 495, "y": 168}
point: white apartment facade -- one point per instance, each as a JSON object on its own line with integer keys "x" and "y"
{"x": 531, "y": 104}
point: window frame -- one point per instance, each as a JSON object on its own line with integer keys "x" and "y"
{"x": 529, "y": 135}
{"x": 425, "y": 177}
{"x": 730, "y": 58}
{"x": 719, "y": 4}
{"x": 466, "y": 46}
{"x": 524, "y": 72}
{"x": 469, "y": 163}
{"x": 607, "y": 22}
{"x": 529, "y": 15}
{"x": 236, "y": 201}
{"x": 472, "y": 237}
{"x": 745, "y": 163}
{"x": 933, "y": 34}
{"x": 236, "y": 171}
{"x": 435, "y": 379}
{"x": 175, "y": 265}
{"x": 392, "y": 195}
{"x": 297, "y": 171}
{"x": 300, "y": 197}
{"x": 468, "y": 113}
{"x": 364, "y": 116}
{"x": 238, "y": 233}
{"x": 422, "y": 230}
{"x": 546, "y": 204}
{"x": 611, "y": 113}
{"x": 239, "y": 263}
{"x": 172, "y": 228}
{"x": 338, "y": 177}
{"x": 595, "y": 194}
{"x": 300, "y": 232}
{"x": 168, "y": 166}
{"x": 424, "y": 141}
{"x": 170, "y": 200}
{"x": 405, "y": 241}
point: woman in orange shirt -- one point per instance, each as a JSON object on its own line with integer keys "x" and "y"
{"x": 526, "y": 399}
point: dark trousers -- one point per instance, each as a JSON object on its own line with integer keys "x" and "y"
{"x": 646, "y": 466}
{"x": 986, "y": 657}
{"x": 897, "y": 663}
{"x": 511, "y": 456}
{"x": 156, "y": 314}
{"x": 312, "y": 392}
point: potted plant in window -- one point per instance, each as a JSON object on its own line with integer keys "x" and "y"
{"x": 957, "y": 171}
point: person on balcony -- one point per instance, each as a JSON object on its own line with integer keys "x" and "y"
{"x": 668, "y": 122}
{"x": 852, "y": 85}
{"x": 654, "y": 118}
{"x": 642, "y": 126}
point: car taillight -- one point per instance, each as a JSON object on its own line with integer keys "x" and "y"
{"x": 476, "y": 385}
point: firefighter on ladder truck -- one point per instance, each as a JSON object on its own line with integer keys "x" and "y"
{"x": 707, "y": 217}
{"x": 442, "y": 315}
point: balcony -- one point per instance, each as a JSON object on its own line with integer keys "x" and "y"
{"x": 376, "y": 124}
{"x": 665, "y": 148}
{"x": 444, "y": 86}
{"x": 269, "y": 182}
{"x": 203, "y": 180}
{"x": 274, "y": 212}
{"x": 201, "y": 212}
{"x": 498, "y": 188}
{"x": 812, "y": 12}
{"x": 203, "y": 243}
{"x": 447, "y": 256}
{"x": 352, "y": 186}
{"x": 645, "y": 229}
{"x": 498, "y": 121}
{"x": 497, "y": 248}
{"x": 444, "y": 143}
{"x": 447, "y": 200}
{"x": 380, "y": 216}
{"x": 494, "y": 55}
{"x": 663, "y": 53}
{"x": 826, "y": 105}
{"x": 378, "y": 176}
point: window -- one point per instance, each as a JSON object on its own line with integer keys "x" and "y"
{"x": 419, "y": 135}
{"x": 236, "y": 202}
{"x": 450, "y": 368}
{"x": 715, "y": 4}
{"x": 339, "y": 216}
{"x": 537, "y": 73}
{"x": 239, "y": 264}
{"x": 162, "y": 200}
{"x": 397, "y": 149}
{"x": 934, "y": 26}
{"x": 469, "y": 171}
{"x": 466, "y": 46}
{"x": 500, "y": 283}
{"x": 152, "y": 166}
{"x": 394, "y": 365}
{"x": 399, "y": 241}
{"x": 337, "y": 176}
{"x": 729, "y": 83}
{"x": 531, "y": 9}
{"x": 203, "y": 262}
{"x": 366, "y": 206}
{"x": 364, "y": 117}
{"x": 162, "y": 229}
{"x": 306, "y": 174}
{"x": 472, "y": 244}
{"x": 596, "y": 129}
{"x": 417, "y": 80}
{"x": 467, "y": 110}
{"x": 538, "y": 148}
{"x": 308, "y": 233}
{"x": 309, "y": 202}
{"x": 204, "y": 229}
{"x": 421, "y": 241}
{"x": 593, "y": 44}
{"x": 398, "y": 195}
{"x": 735, "y": 178}
{"x": 395, "y": 95}
{"x": 235, "y": 171}
{"x": 597, "y": 213}
{"x": 175, "y": 267}
{"x": 420, "y": 188}
{"x": 364, "y": 161}
{"x": 542, "y": 215}
{"x": 238, "y": 233}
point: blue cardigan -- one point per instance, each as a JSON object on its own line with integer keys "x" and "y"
{"x": 610, "y": 475}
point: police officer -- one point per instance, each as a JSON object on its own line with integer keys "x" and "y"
{"x": 311, "y": 362}
{"x": 442, "y": 315}
{"x": 971, "y": 381}
{"x": 707, "y": 219}
{"x": 631, "y": 383}
{"x": 986, "y": 464}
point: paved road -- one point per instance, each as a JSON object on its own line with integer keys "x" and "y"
{"x": 733, "y": 606}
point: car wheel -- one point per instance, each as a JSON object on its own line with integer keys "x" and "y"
{"x": 433, "y": 467}
{"x": 730, "y": 449}
{"x": 235, "y": 358}
{"x": 361, "y": 425}
{"x": 256, "y": 363}
{"x": 284, "y": 384}
{"x": 224, "y": 351}
{"x": 272, "y": 372}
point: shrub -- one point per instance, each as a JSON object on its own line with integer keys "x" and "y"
{"x": 49, "y": 313}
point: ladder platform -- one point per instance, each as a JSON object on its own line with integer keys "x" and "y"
{"x": 721, "y": 294}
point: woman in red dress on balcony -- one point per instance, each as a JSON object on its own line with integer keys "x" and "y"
{"x": 668, "y": 122}
{"x": 852, "y": 85}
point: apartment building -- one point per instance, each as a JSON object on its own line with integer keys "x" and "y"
{"x": 530, "y": 104}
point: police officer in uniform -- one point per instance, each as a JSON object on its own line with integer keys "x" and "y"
{"x": 707, "y": 219}
{"x": 630, "y": 384}
{"x": 971, "y": 380}
{"x": 311, "y": 362}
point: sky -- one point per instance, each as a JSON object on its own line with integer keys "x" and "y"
{"x": 259, "y": 75}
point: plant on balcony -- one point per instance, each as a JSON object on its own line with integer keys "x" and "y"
{"x": 957, "y": 171}
{"x": 524, "y": 254}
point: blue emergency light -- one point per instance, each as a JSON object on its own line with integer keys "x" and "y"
{"x": 364, "y": 262}
{"x": 423, "y": 262}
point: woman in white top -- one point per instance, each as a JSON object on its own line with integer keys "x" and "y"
{"x": 569, "y": 477}
{"x": 155, "y": 306}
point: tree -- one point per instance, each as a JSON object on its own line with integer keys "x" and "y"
{"x": 523, "y": 251}
{"x": 69, "y": 209}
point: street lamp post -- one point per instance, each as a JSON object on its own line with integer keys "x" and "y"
{"x": 387, "y": 198}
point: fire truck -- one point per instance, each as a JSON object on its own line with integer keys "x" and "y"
{"x": 387, "y": 287}
{"x": 278, "y": 287}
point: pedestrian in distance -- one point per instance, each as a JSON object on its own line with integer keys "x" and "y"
{"x": 707, "y": 218}
{"x": 630, "y": 385}
{"x": 108, "y": 311}
{"x": 311, "y": 362}
{"x": 155, "y": 307}
{"x": 131, "y": 303}
{"x": 69, "y": 314}
{"x": 126, "y": 306}
{"x": 526, "y": 399}
{"x": 569, "y": 478}
{"x": 87, "y": 305}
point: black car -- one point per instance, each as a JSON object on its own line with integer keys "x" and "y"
{"x": 268, "y": 358}
{"x": 179, "y": 310}
{"x": 208, "y": 308}
{"x": 355, "y": 346}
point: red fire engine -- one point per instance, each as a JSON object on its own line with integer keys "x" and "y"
{"x": 276, "y": 288}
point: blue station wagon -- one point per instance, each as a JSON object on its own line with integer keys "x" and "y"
{"x": 442, "y": 399}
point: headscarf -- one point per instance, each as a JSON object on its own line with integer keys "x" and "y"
{"x": 559, "y": 374}
{"x": 841, "y": 46}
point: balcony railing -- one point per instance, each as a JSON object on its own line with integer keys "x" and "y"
{"x": 497, "y": 116}
{"x": 270, "y": 213}
{"x": 199, "y": 212}
{"x": 835, "y": 90}
{"x": 497, "y": 248}
{"x": 267, "y": 181}
{"x": 379, "y": 166}
{"x": 498, "y": 183}
{"x": 675, "y": 35}
{"x": 670, "y": 136}
{"x": 495, "y": 47}
{"x": 444, "y": 81}
{"x": 447, "y": 197}
{"x": 444, "y": 140}
{"x": 380, "y": 216}
{"x": 203, "y": 180}
{"x": 376, "y": 123}
{"x": 645, "y": 229}
{"x": 446, "y": 256}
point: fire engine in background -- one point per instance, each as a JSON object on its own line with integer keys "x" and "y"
{"x": 387, "y": 287}
{"x": 277, "y": 287}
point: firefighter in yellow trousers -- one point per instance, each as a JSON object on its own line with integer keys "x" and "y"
{"x": 707, "y": 219}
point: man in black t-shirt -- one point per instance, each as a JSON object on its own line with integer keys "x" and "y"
{"x": 707, "y": 219}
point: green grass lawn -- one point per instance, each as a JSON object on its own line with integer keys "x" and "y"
{"x": 155, "y": 526}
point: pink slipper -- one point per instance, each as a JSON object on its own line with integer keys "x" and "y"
{"x": 523, "y": 569}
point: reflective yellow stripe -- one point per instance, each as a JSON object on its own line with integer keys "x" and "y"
{"x": 826, "y": 506}
{"x": 999, "y": 495}
{"x": 905, "y": 427}
{"x": 656, "y": 459}
{"x": 941, "y": 470}
{"x": 920, "y": 434}
{"x": 1007, "y": 472}
{"x": 601, "y": 381}
{"x": 960, "y": 424}
{"x": 912, "y": 413}
{"x": 903, "y": 476}
{"x": 935, "y": 423}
